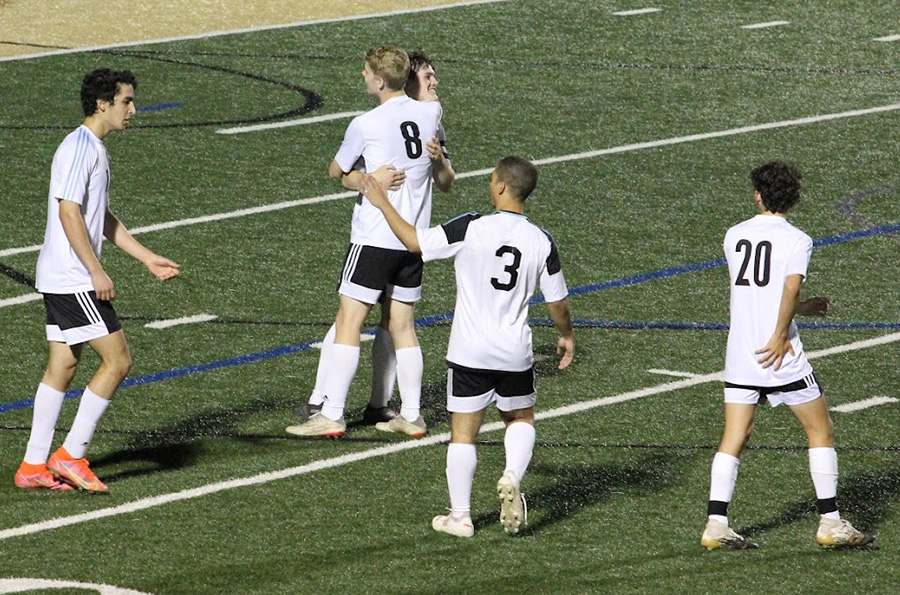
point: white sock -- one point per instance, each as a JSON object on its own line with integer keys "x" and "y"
{"x": 409, "y": 378}
{"x": 47, "y": 403}
{"x": 384, "y": 369}
{"x": 519, "y": 445}
{"x": 318, "y": 393}
{"x": 461, "y": 462}
{"x": 823, "y": 467}
{"x": 90, "y": 410}
{"x": 723, "y": 478}
{"x": 343, "y": 360}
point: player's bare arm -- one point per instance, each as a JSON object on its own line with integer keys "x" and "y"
{"x": 73, "y": 225}
{"x": 562, "y": 319}
{"x": 388, "y": 176}
{"x": 405, "y": 232}
{"x": 442, "y": 171}
{"x": 816, "y": 306}
{"x": 162, "y": 268}
{"x": 779, "y": 344}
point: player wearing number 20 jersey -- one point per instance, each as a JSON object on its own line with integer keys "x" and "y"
{"x": 500, "y": 259}
{"x": 761, "y": 253}
{"x": 394, "y": 133}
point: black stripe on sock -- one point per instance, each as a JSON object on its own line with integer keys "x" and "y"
{"x": 717, "y": 507}
{"x": 827, "y": 505}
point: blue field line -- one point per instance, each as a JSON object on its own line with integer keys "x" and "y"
{"x": 428, "y": 321}
{"x": 157, "y": 107}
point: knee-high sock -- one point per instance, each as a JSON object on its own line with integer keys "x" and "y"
{"x": 519, "y": 445}
{"x": 47, "y": 403}
{"x": 384, "y": 369}
{"x": 409, "y": 378}
{"x": 461, "y": 462}
{"x": 343, "y": 360}
{"x": 823, "y": 467}
{"x": 318, "y": 393}
{"x": 90, "y": 410}
{"x": 723, "y": 478}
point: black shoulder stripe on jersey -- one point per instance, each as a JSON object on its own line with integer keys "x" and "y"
{"x": 455, "y": 229}
{"x": 553, "y": 265}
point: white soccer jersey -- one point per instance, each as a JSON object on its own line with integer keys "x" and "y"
{"x": 761, "y": 253}
{"x": 80, "y": 173}
{"x": 393, "y": 133}
{"x": 500, "y": 259}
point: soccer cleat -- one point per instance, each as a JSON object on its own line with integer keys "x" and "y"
{"x": 513, "y": 510}
{"x": 37, "y": 476}
{"x": 840, "y": 533}
{"x": 461, "y": 527}
{"x": 719, "y": 535}
{"x": 307, "y": 410}
{"x": 76, "y": 472}
{"x": 374, "y": 415}
{"x": 399, "y": 425}
{"x": 319, "y": 425}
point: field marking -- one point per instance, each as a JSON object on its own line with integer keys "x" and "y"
{"x": 766, "y": 25}
{"x": 864, "y": 404}
{"x": 672, "y": 373}
{"x": 21, "y": 585}
{"x": 208, "y": 34}
{"x": 483, "y": 172}
{"x": 637, "y": 11}
{"x": 322, "y": 464}
{"x": 161, "y": 324}
{"x": 22, "y": 299}
{"x": 363, "y": 337}
{"x": 289, "y": 123}
{"x": 888, "y": 38}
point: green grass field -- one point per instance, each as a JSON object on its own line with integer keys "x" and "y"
{"x": 617, "y": 491}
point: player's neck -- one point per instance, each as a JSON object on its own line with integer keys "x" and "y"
{"x": 511, "y": 206}
{"x": 389, "y": 94}
{"x": 97, "y": 126}
{"x": 771, "y": 214}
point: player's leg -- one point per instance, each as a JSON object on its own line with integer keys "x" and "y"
{"x": 384, "y": 372}
{"x": 516, "y": 397}
{"x": 314, "y": 403}
{"x": 409, "y": 372}
{"x": 823, "y": 468}
{"x": 739, "y": 410}
{"x": 62, "y": 361}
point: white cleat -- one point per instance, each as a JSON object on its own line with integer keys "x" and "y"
{"x": 319, "y": 425}
{"x": 840, "y": 533}
{"x": 513, "y": 510}
{"x": 719, "y": 535}
{"x": 461, "y": 527}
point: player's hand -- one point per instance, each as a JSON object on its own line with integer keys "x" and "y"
{"x": 389, "y": 177}
{"x": 103, "y": 286}
{"x": 162, "y": 268}
{"x": 774, "y": 351}
{"x": 371, "y": 189}
{"x": 435, "y": 152}
{"x": 565, "y": 347}
{"x": 817, "y": 306}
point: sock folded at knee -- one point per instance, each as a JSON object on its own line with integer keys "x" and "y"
{"x": 90, "y": 410}
{"x": 47, "y": 404}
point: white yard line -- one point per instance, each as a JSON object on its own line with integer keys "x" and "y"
{"x": 766, "y": 25}
{"x": 381, "y": 451}
{"x": 289, "y": 123}
{"x": 161, "y": 324}
{"x": 22, "y": 299}
{"x": 637, "y": 11}
{"x": 671, "y": 373}
{"x": 888, "y": 38}
{"x": 864, "y": 404}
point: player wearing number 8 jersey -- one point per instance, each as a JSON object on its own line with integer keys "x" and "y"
{"x": 767, "y": 262}
{"x": 500, "y": 260}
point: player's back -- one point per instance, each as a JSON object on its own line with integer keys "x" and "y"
{"x": 761, "y": 253}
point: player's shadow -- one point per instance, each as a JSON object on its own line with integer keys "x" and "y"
{"x": 573, "y": 489}
{"x": 865, "y": 498}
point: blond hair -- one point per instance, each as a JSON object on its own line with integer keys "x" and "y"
{"x": 391, "y": 64}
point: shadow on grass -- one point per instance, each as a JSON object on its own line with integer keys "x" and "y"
{"x": 573, "y": 489}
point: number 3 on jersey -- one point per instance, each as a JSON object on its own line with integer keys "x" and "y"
{"x": 410, "y": 132}
{"x": 762, "y": 262}
{"x": 512, "y": 268}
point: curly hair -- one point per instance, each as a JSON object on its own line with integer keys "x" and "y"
{"x": 778, "y": 184}
{"x": 103, "y": 83}
{"x": 417, "y": 61}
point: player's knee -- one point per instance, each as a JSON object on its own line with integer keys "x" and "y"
{"x": 119, "y": 365}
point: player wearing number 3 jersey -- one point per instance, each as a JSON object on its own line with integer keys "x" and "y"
{"x": 767, "y": 261}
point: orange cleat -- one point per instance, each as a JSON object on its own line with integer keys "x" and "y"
{"x": 76, "y": 472}
{"x": 37, "y": 476}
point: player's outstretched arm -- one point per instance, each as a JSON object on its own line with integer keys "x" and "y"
{"x": 442, "y": 169}
{"x": 405, "y": 232}
{"x": 161, "y": 267}
{"x": 779, "y": 344}
{"x": 562, "y": 319}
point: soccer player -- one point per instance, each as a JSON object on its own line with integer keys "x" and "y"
{"x": 77, "y": 290}
{"x": 377, "y": 266}
{"x": 421, "y": 85}
{"x": 767, "y": 261}
{"x": 499, "y": 259}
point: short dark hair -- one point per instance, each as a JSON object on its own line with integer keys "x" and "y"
{"x": 103, "y": 83}
{"x": 520, "y": 175}
{"x": 778, "y": 184}
{"x": 417, "y": 61}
